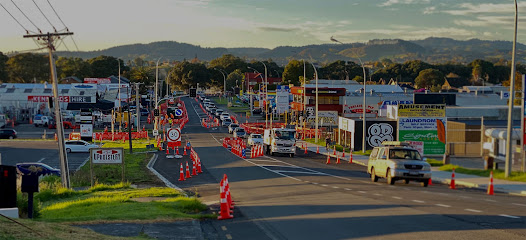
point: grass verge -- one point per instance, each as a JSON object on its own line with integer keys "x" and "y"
{"x": 340, "y": 148}
{"x": 435, "y": 163}
{"x": 134, "y": 167}
{"x": 497, "y": 174}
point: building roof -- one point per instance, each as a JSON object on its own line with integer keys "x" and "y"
{"x": 115, "y": 79}
{"x": 351, "y": 88}
{"x": 333, "y": 82}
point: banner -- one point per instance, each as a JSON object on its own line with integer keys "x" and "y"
{"x": 356, "y": 111}
{"x": 325, "y": 118}
{"x": 424, "y": 130}
{"x": 97, "y": 80}
{"x": 376, "y": 133}
{"x": 421, "y": 110}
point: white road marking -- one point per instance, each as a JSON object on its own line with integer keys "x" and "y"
{"x": 519, "y": 204}
{"x": 42, "y": 159}
{"x": 335, "y": 187}
{"x": 265, "y": 165}
{"x": 325, "y": 185}
{"x": 263, "y": 160}
{"x": 223, "y": 228}
{"x": 348, "y": 189}
{"x": 442, "y": 205}
{"x": 399, "y": 198}
{"x": 361, "y": 191}
{"x": 418, "y": 201}
{"x": 307, "y": 181}
{"x": 284, "y": 171}
{"x": 228, "y": 236}
{"x": 490, "y": 200}
{"x": 364, "y": 181}
{"x": 315, "y": 183}
{"x": 472, "y": 210}
{"x": 377, "y": 194}
{"x": 466, "y": 197}
{"x": 509, "y": 216}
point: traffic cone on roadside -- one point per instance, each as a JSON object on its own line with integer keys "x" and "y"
{"x": 306, "y": 149}
{"x": 188, "y": 171}
{"x": 225, "y": 209}
{"x": 227, "y": 191}
{"x": 184, "y": 152}
{"x": 167, "y": 151}
{"x": 343, "y": 155}
{"x": 194, "y": 168}
{"x": 181, "y": 173}
{"x": 430, "y": 182}
{"x": 317, "y": 149}
{"x": 490, "y": 186}
{"x": 350, "y": 157}
{"x": 56, "y": 137}
{"x": 452, "y": 184}
{"x": 337, "y": 159}
{"x": 328, "y": 159}
{"x": 334, "y": 150}
{"x": 177, "y": 151}
{"x": 199, "y": 170}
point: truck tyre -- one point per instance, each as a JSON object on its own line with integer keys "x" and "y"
{"x": 68, "y": 150}
{"x": 292, "y": 155}
{"x": 425, "y": 183}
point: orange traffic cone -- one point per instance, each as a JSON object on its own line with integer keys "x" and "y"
{"x": 334, "y": 150}
{"x": 343, "y": 155}
{"x": 188, "y": 171}
{"x": 306, "y": 149}
{"x": 350, "y": 157}
{"x": 143, "y": 128}
{"x": 177, "y": 152}
{"x": 490, "y": 186}
{"x": 430, "y": 182}
{"x": 167, "y": 151}
{"x": 194, "y": 168}
{"x": 227, "y": 191}
{"x": 184, "y": 152}
{"x": 199, "y": 170}
{"x": 181, "y": 173}
{"x": 328, "y": 159}
{"x": 56, "y": 137}
{"x": 317, "y": 149}
{"x": 337, "y": 159}
{"x": 225, "y": 209}
{"x": 452, "y": 184}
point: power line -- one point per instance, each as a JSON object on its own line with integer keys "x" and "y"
{"x": 57, "y": 15}
{"x": 27, "y": 31}
{"x": 44, "y": 16}
{"x": 75, "y": 43}
{"x": 26, "y": 16}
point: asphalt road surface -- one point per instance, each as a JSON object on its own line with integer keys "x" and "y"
{"x": 278, "y": 197}
{"x": 14, "y": 152}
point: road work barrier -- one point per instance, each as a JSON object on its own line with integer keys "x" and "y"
{"x": 226, "y": 203}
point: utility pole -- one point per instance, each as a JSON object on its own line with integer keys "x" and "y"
{"x": 129, "y": 119}
{"x": 509, "y": 140}
{"x": 47, "y": 40}
{"x": 138, "y": 104}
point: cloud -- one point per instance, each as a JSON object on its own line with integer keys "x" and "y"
{"x": 429, "y": 10}
{"x": 482, "y": 21}
{"x": 393, "y": 2}
{"x": 493, "y": 8}
{"x": 278, "y": 29}
{"x": 193, "y": 3}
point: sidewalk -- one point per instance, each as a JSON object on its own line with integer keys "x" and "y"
{"x": 466, "y": 180}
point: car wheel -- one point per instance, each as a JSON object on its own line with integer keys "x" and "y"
{"x": 390, "y": 179}
{"x": 374, "y": 178}
{"x": 424, "y": 183}
{"x": 292, "y": 155}
{"x": 45, "y": 124}
{"x": 10, "y": 137}
{"x": 68, "y": 150}
{"x": 406, "y": 181}
{"x": 36, "y": 125}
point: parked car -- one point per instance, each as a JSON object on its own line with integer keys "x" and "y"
{"x": 7, "y": 133}
{"x": 254, "y": 139}
{"x": 66, "y": 124}
{"x": 240, "y": 132}
{"x": 226, "y": 122}
{"x": 40, "y": 120}
{"x": 231, "y": 127}
{"x": 224, "y": 115}
{"x": 38, "y": 168}
{"x": 396, "y": 160}
{"x": 79, "y": 146}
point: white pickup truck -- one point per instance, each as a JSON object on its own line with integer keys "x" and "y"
{"x": 280, "y": 140}
{"x": 40, "y": 120}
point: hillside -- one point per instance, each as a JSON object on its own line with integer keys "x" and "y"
{"x": 432, "y": 50}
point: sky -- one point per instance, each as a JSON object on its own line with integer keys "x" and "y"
{"x": 100, "y": 24}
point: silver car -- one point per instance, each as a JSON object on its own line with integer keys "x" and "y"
{"x": 398, "y": 161}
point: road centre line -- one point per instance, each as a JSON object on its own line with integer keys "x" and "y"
{"x": 325, "y": 185}
{"x": 362, "y": 191}
{"x": 377, "y": 194}
{"x": 262, "y": 160}
{"x": 519, "y": 204}
{"x": 399, "y": 198}
{"x": 472, "y": 210}
{"x": 490, "y": 200}
{"x": 300, "y": 172}
{"x": 442, "y": 205}
{"x": 264, "y": 165}
{"x": 228, "y": 236}
{"x": 348, "y": 189}
{"x": 335, "y": 187}
{"x": 418, "y": 201}
{"x": 223, "y": 228}
{"x": 509, "y": 216}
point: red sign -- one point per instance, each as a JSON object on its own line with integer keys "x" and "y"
{"x": 46, "y": 98}
{"x": 97, "y": 80}
{"x": 174, "y": 137}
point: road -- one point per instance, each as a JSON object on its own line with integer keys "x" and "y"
{"x": 303, "y": 198}
{"x": 14, "y": 152}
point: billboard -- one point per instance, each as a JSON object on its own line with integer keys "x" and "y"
{"x": 424, "y": 130}
{"x": 282, "y": 99}
{"x": 450, "y": 99}
{"x": 97, "y": 80}
{"x": 325, "y": 118}
{"x": 421, "y": 110}
{"x": 376, "y": 133}
{"x": 356, "y": 111}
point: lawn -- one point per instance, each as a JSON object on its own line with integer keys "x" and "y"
{"x": 224, "y": 101}
{"x": 497, "y": 174}
{"x": 135, "y": 167}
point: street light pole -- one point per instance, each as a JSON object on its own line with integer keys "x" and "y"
{"x": 316, "y": 133}
{"x": 266, "y": 95}
{"x": 364, "y": 121}
{"x": 509, "y": 144}
{"x": 224, "y": 80}
{"x": 156, "y": 91}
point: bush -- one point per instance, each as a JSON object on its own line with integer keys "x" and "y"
{"x": 22, "y": 203}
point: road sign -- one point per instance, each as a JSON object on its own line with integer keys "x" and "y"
{"x": 174, "y": 137}
{"x": 155, "y": 132}
{"x": 178, "y": 112}
{"x": 106, "y": 155}
{"x": 171, "y": 101}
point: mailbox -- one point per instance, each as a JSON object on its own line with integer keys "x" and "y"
{"x": 30, "y": 183}
{"x": 7, "y": 186}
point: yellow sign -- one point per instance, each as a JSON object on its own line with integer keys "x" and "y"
{"x": 421, "y": 110}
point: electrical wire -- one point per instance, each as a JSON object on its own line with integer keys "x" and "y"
{"x": 75, "y": 43}
{"x": 26, "y": 16}
{"x": 27, "y": 31}
{"x": 44, "y": 16}
{"x": 57, "y": 15}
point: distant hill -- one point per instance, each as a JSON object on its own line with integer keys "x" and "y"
{"x": 432, "y": 50}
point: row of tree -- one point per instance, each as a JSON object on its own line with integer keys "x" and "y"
{"x": 32, "y": 67}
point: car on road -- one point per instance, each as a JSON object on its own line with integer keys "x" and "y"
{"x": 38, "y": 168}
{"x": 226, "y": 123}
{"x": 66, "y": 124}
{"x": 213, "y": 111}
{"x": 240, "y": 132}
{"x": 254, "y": 139}
{"x": 7, "y": 133}
{"x": 396, "y": 160}
{"x": 224, "y": 115}
{"x": 79, "y": 146}
{"x": 231, "y": 127}
{"x": 219, "y": 112}
{"x": 40, "y": 120}
{"x": 144, "y": 112}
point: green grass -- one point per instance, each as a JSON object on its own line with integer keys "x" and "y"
{"x": 435, "y": 163}
{"x": 340, "y": 148}
{"x": 224, "y": 101}
{"x": 497, "y": 174}
{"x": 135, "y": 167}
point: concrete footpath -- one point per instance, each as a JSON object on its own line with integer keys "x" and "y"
{"x": 465, "y": 180}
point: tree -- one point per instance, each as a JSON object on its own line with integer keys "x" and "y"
{"x": 294, "y": 70}
{"x": 104, "y": 66}
{"x": 480, "y": 68}
{"x": 139, "y": 62}
{"x": 339, "y": 70}
{"x": 67, "y": 67}
{"x": 3, "y": 67}
{"x": 234, "y": 79}
{"x": 414, "y": 67}
{"x": 186, "y": 74}
{"x": 142, "y": 74}
{"x": 26, "y": 67}
{"x": 429, "y": 77}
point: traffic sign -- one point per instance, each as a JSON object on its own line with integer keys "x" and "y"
{"x": 178, "y": 112}
{"x": 174, "y": 137}
{"x": 155, "y": 132}
{"x": 171, "y": 101}
{"x": 106, "y": 155}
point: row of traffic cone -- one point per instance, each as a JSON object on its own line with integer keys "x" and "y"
{"x": 490, "y": 190}
{"x": 338, "y": 158}
{"x": 226, "y": 203}
{"x": 256, "y": 151}
{"x": 196, "y": 168}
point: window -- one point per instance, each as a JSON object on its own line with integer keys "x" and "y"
{"x": 64, "y": 91}
{"x": 374, "y": 153}
{"x": 28, "y": 90}
{"x": 404, "y": 154}
{"x": 48, "y": 90}
{"x": 10, "y": 90}
{"x": 382, "y": 154}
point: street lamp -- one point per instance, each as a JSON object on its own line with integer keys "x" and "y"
{"x": 364, "y": 99}
{"x": 266, "y": 92}
{"x": 224, "y": 80}
{"x": 316, "y": 133}
{"x": 509, "y": 148}
{"x": 262, "y": 80}
{"x": 156, "y": 91}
